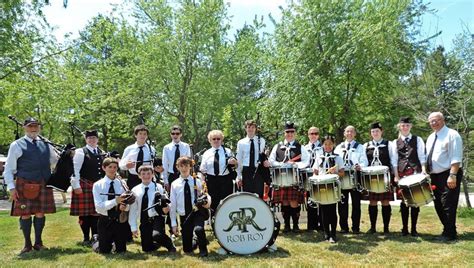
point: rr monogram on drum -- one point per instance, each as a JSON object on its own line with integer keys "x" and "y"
{"x": 416, "y": 190}
{"x": 375, "y": 179}
{"x": 325, "y": 189}
{"x": 244, "y": 224}
{"x": 285, "y": 176}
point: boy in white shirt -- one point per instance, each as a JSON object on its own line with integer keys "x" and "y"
{"x": 184, "y": 194}
{"x": 152, "y": 221}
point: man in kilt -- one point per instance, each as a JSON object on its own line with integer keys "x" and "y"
{"x": 87, "y": 170}
{"x": 29, "y": 162}
{"x": 289, "y": 152}
{"x": 380, "y": 153}
{"x": 410, "y": 158}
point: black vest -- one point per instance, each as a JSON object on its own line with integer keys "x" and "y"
{"x": 281, "y": 149}
{"x": 92, "y": 166}
{"x": 384, "y": 155}
{"x": 332, "y": 160}
{"x": 408, "y": 155}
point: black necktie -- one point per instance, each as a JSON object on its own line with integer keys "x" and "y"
{"x": 144, "y": 214}
{"x": 429, "y": 160}
{"x": 113, "y": 211}
{"x": 188, "y": 206}
{"x": 95, "y": 152}
{"x": 139, "y": 158}
{"x": 407, "y": 140}
{"x": 252, "y": 154}
{"x": 313, "y": 146}
{"x": 176, "y": 156}
{"x": 216, "y": 163}
{"x": 348, "y": 146}
{"x": 35, "y": 142}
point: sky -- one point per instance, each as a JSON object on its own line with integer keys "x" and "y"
{"x": 452, "y": 17}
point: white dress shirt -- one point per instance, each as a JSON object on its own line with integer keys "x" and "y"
{"x": 392, "y": 149}
{"x": 313, "y": 152}
{"x": 356, "y": 155}
{"x": 131, "y": 153}
{"x": 323, "y": 158}
{"x": 420, "y": 149}
{"x": 15, "y": 152}
{"x": 177, "y": 197}
{"x": 303, "y": 163}
{"x": 243, "y": 152}
{"x": 447, "y": 149}
{"x": 207, "y": 163}
{"x": 102, "y": 202}
{"x": 77, "y": 161}
{"x": 136, "y": 207}
{"x": 168, "y": 157}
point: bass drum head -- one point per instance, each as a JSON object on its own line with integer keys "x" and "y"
{"x": 243, "y": 223}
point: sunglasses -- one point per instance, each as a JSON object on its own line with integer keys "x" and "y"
{"x": 175, "y": 133}
{"x": 289, "y": 131}
{"x": 314, "y": 133}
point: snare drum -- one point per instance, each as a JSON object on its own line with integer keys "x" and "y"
{"x": 284, "y": 176}
{"x": 416, "y": 190}
{"x": 325, "y": 189}
{"x": 245, "y": 224}
{"x": 375, "y": 179}
{"x": 348, "y": 180}
{"x": 305, "y": 174}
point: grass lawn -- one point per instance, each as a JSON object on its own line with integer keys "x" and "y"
{"x": 62, "y": 234}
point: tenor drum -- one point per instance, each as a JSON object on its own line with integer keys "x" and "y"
{"x": 416, "y": 190}
{"x": 284, "y": 176}
{"x": 325, "y": 189}
{"x": 348, "y": 180}
{"x": 375, "y": 179}
{"x": 245, "y": 224}
{"x": 305, "y": 175}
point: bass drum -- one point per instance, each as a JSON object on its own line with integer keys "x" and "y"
{"x": 245, "y": 224}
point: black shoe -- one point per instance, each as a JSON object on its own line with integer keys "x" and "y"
{"x": 356, "y": 231}
{"x": 371, "y": 231}
{"x": 404, "y": 232}
{"x": 287, "y": 229}
{"x": 26, "y": 249}
{"x": 296, "y": 228}
{"x": 203, "y": 253}
{"x": 172, "y": 249}
{"x": 39, "y": 247}
{"x": 414, "y": 233}
{"x": 386, "y": 231}
{"x": 344, "y": 231}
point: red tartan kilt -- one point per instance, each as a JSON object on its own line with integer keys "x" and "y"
{"x": 287, "y": 194}
{"x": 83, "y": 204}
{"x": 44, "y": 203}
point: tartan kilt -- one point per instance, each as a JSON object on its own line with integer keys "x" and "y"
{"x": 379, "y": 197}
{"x": 44, "y": 203}
{"x": 287, "y": 194}
{"x": 83, "y": 204}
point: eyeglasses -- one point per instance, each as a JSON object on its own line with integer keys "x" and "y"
{"x": 175, "y": 133}
{"x": 289, "y": 131}
{"x": 314, "y": 133}
{"x": 216, "y": 139}
{"x": 434, "y": 120}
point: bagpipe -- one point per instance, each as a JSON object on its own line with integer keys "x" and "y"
{"x": 200, "y": 201}
{"x": 160, "y": 201}
{"x": 263, "y": 171}
{"x": 60, "y": 177}
{"x": 128, "y": 198}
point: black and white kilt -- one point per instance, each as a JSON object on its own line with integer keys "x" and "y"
{"x": 44, "y": 203}
{"x": 287, "y": 194}
{"x": 83, "y": 204}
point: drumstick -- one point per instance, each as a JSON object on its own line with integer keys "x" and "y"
{"x": 298, "y": 157}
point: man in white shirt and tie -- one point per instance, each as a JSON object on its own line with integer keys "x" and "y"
{"x": 136, "y": 155}
{"x": 171, "y": 152}
{"x": 354, "y": 158}
{"x": 248, "y": 153}
{"x": 313, "y": 147}
{"x": 443, "y": 163}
